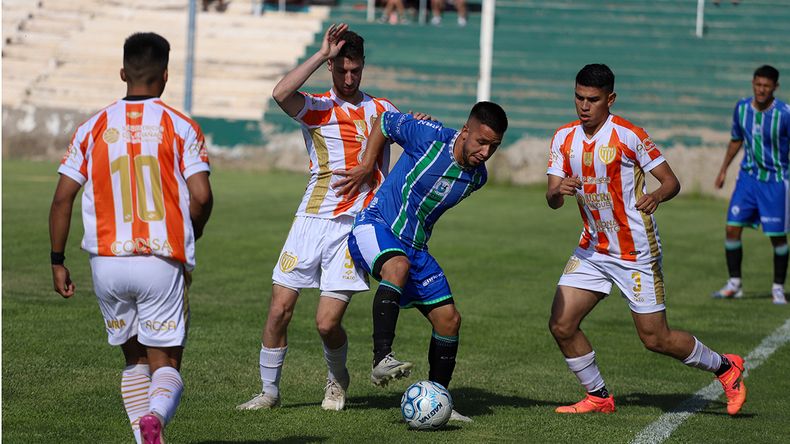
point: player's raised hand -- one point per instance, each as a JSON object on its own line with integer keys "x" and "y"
{"x": 569, "y": 185}
{"x": 647, "y": 204}
{"x": 353, "y": 180}
{"x": 61, "y": 279}
{"x": 331, "y": 44}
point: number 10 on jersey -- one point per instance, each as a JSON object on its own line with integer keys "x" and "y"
{"x": 148, "y": 186}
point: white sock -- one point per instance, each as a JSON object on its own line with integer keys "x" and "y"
{"x": 336, "y": 362}
{"x": 735, "y": 282}
{"x": 135, "y": 381}
{"x": 165, "y": 392}
{"x": 271, "y": 363}
{"x": 586, "y": 370}
{"x": 703, "y": 358}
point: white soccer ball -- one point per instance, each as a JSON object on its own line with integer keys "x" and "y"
{"x": 426, "y": 405}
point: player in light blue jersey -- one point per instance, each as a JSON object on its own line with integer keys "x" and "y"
{"x": 439, "y": 167}
{"x": 761, "y": 125}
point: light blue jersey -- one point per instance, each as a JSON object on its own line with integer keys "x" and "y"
{"x": 425, "y": 182}
{"x": 766, "y": 139}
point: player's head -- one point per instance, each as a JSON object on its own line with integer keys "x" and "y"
{"x": 764, "y": 83}
{"x": 482, "y": 133}
{"x": 145, "y": 57}
{"x": 594, "y": 94}
{"x": 346, "y": 67}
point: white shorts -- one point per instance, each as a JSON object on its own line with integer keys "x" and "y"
{"x": 641, "y": 284}
{"x": 144, "y": 296}
{"x": 315, "y": 255}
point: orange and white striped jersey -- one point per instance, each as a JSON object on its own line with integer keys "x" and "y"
{"x": 133, "y": 159}
{"x": 611, "y": 166}
{"x": 336, "y": 135}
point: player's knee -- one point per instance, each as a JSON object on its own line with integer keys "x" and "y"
{"x": 654, "y": 343}
{"x": 452, "y": 323}
{"x": 279, "y": 317}
{"x": 326, "y": 326}
{"x": 396, "y": 269}
{"x": 561, "y": 330}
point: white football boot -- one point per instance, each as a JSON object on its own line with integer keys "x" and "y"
{"x": 260, "y": 401}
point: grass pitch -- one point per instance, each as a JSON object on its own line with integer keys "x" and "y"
{"x": 502, "y": 249}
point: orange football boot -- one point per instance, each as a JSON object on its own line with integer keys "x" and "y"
{"x": 588, "y": 405}
{"x": 732, "y": 381}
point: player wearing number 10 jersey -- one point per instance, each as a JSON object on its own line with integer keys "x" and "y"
{"x": 601, "y": 160}
{"x": 146, "y": 199}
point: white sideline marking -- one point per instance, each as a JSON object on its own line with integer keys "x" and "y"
{"x": 661, "y": 428}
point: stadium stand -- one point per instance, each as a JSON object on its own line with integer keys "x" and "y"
{"x": 66, "y": 55}
{"x": 667, "y": 78}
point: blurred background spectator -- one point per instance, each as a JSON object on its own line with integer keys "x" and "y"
{"x": 437, "y": 6}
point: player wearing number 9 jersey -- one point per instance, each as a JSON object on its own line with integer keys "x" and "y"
{"x": 144, "y": 169}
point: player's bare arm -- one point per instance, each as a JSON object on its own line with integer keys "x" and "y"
{"x": 559, "y": 187}
{"x": 59, "y": 224}
{"x": 669, "y": 188}
{"x": 286, "y": 93}
{"x": 361, "y": 174}
{"x": 201, "y": 201}
{"x": 732, "y": 149}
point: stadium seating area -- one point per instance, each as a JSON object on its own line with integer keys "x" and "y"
{"x": 668, "y": 80}
{"x": 67, "y": 54}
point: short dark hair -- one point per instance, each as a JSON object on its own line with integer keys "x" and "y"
{"x": 491, "y": 115}
{"x": 145, "y": 57}
{"x": 596, "y": 75}
{"x": 354, "y": 48}
{"x": 767, "y": 71}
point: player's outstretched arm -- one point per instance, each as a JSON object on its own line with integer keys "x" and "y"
{"x": 364, "y": 173}
{"x": 201, "y": 201}
{"x": 558, "y": 187}
{"x": 59, "y": 224}
{"x": 732, "y": 149}
{"x": 669, "y": 188}
{"x": 286, "y": 92}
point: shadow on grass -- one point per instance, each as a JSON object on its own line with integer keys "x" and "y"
{"x": 470, "y": 401}
{"x": 678, "y": 403}
{"x": 288, "y": 440}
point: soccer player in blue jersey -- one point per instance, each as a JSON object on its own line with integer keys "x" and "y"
{"x": 439, "y": 167}
{"x": 761, "y": 125}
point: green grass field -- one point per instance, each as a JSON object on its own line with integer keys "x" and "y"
{"x": 503, "y": 250}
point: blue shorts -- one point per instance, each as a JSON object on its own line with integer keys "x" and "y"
{"x": 756, "y": 203}
{"x": 372, "y": 243}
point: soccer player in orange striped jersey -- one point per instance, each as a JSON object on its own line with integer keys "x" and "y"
{"x": 335, "y": 126}
{"x": 601, "y": 160}
{"x": 146, "y": 199}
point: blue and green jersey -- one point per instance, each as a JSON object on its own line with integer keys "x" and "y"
{"x": 424, "y": 183}
{"x": 766, "y": 139}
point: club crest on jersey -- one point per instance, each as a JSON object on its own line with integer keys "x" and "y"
{"x": 288, "y": 262}
{"x": 607, "y": 154}
{"x": 588, "y": 158}
{"x": 572, "y": 265}
{"x": 134, "y": 114}
{"x": 441, "y": 188}
{"x": 111, "y": 135}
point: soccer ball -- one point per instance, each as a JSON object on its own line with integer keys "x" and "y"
{"x": 426, "y": 405}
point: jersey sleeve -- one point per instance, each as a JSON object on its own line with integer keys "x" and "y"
{"x": 75, "y": 163}
{"x": 648, "y": 156}
{"x": 414, "y": 136}
{"x": 737, "y": 131}
{"x": 559, "y": 164}
{"x": 195, "y": 153}
{"x": 317, "y": 110}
